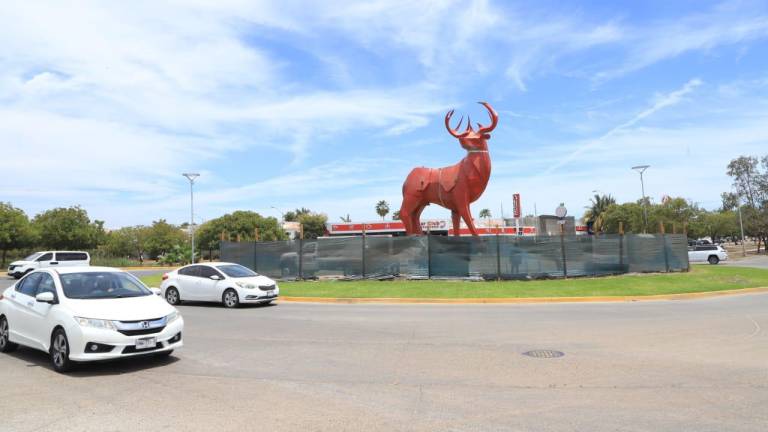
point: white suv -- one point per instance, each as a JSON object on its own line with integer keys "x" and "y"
{"x": 712, "y": 254}
{"x": 47, "y": 259}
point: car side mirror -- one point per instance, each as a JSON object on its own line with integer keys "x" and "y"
{"x": 45, "y": 297}
{"x": 156, "y": 291}
{"x": 215, "y": 277}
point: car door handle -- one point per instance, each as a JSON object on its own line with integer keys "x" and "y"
{"x": 30, "y": 304}
{"x": 54, "y": 262}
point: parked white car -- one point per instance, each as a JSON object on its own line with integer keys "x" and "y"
{"x": 228, "y": 283}
{"x": 710, "y": 253}
{"x": 80, "y": 314}
{"x": 47, "y": 259}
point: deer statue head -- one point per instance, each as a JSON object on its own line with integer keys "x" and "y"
{"x": 470, "y": 139}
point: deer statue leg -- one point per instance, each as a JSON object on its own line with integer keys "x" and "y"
{"x": 456, "y": 222}
{"x": 415, "y": 221}
{"x": 467, "y": 216}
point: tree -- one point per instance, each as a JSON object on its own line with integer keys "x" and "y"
{"x": 595, "y": 213}
{"x": 161, "y": 237}
{"x": 128, "y": 241}
{"x": 241, "y": 222}
{"x": 313, "y": 224}
{"x": 382, "y": 208}
{"x": 751, "y": 185}
{"x": 293, "y": 216}
{"x": 485, "y": 214}
{"x": 346, "y": 219}
{"x": 396, "y": 215}
{"x": 68, "y": 228}
{"x": 15, "y": 229}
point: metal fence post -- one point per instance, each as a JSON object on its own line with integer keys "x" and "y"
{"x": 429, "y": 255}
{"x": 363, "y": 266}
{"x": 498, "y": 257}
{"x": 666, "y": 250}
{"x": 562, "y": 248}
{"x": 621, "y": 247}
{"x": 256, "y": 256}
{"x": 301, "y": 258}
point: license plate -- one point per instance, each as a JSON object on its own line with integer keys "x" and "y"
{"x": 144, "y": 343}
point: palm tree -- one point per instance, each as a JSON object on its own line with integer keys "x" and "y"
{"x": 485, "y": 214}
{"x": 596, "y": 211}
{"x": 382, "y": 208}
{"x": 396, "y": 215}
{"x": 346, "y": 219}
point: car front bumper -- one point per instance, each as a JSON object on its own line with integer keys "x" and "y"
{"x": 255, "y": 296}
{"x": 123, "y": 346}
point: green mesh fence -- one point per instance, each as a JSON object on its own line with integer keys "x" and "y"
{"x": 485, "y": 257}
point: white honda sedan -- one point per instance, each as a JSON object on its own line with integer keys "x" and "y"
{"x": 80, "y": 314}
{"x": 228, "y": 283}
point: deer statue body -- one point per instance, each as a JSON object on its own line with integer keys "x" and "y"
{"x": 454, "y": 187}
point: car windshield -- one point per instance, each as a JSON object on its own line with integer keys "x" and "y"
{"x": 33, "y": 256}
{"x": 102, "y": 285}
{"x": 237, "y": 271}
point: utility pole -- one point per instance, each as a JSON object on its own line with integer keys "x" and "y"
{"x": 741, "y": 224}
{"x": 191, "y": 177}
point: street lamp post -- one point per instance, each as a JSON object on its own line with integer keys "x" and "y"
{"x": 191, "y": 177}
{"x": 641, "y": 169}
{"x": 741, "y": 224}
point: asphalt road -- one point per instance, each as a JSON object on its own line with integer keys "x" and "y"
{"x": 647, "y": 366}
{"x": 749, "y": 261}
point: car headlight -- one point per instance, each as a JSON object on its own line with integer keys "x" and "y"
{"x": 245, "y": 285}
{"x": 173, "y": 316}
{"x": 96, "y": 323}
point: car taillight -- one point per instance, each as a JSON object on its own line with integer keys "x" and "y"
{"x": 165, "y": 276}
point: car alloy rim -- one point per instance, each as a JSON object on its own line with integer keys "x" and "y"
{"x": 59, "y": 350}
{"x": 171, "y": 296}
{"x": 3, "y": 332}
{"x": 230, "y": 299}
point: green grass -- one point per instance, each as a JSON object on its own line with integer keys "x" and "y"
{"x": 700, "y": 279}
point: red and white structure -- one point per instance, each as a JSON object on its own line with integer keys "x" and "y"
{"x": 435, "y": 226}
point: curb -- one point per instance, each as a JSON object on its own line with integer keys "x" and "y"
{"x": 526, "y": 300}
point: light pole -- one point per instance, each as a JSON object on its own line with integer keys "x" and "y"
{"x": 741, "y": 224}
{"x": 191, "y": 177}
{"x": 641, "y": 169}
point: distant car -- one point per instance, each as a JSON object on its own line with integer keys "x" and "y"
{"x": 712, "y": 254}
{"x": 53, "y": 259}
{"x": 228, "y": 283}
{"x": 81, "y": 314}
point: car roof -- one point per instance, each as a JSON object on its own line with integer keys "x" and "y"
{"x": 87, "y": 269}
{"x": 215, "y": 263}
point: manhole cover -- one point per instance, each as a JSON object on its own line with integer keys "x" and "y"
{"x": 544, "y": 353}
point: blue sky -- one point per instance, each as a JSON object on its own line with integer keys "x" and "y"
{"x": 328, "y": 105}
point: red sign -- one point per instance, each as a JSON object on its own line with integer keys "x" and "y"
{"x": 516, "y": 205}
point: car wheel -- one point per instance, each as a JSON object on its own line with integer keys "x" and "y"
{"x": 172, "y": 296}
{"x": 60, "y": 352}
{"x": 230, "y": 298}
{"x": 5, "y": 342}
{"x": 713, "y": 259}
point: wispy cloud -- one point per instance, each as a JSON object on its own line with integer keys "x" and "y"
{"x": 662, "y": 102}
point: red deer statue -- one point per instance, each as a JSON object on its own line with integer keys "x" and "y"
{"x": 453, "y": 187}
